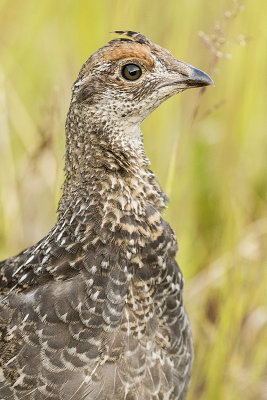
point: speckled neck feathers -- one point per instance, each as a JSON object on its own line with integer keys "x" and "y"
{"x": 94, "y": 310}
{"x": 106, "y": 160}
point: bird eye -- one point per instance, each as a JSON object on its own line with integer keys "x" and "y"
{"x": 131, "y": 72}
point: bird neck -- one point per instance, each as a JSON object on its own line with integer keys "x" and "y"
{"x": 107, "y": 160}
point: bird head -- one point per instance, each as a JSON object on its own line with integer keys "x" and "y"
{"x": 129, "y": 78}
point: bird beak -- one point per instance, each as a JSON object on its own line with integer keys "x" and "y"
{"x": 192, "y": 77}
{"x": 198, "y": 78}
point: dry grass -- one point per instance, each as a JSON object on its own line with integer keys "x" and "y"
{"x": 207, "y": 147}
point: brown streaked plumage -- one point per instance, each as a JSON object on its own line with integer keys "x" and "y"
{"x": 94, "y": 311}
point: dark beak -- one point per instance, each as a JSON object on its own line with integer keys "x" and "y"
{"x": 198, "y": 78}
{"x": 191, "y": 77}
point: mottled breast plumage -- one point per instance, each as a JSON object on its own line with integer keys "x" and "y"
{"x": 94, "y": 310}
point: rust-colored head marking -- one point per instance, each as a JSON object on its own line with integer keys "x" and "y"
{"x": 121, "y": 50}
{"x": 103, "y": 83}
{"x": 138, "y": 47}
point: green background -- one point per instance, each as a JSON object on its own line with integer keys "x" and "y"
{"x": 208, "y": 149}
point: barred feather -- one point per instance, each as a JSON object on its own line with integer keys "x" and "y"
{"x": 94, "y": 310}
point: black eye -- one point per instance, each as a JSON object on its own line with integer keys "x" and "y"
{"x": 131, "y": 72}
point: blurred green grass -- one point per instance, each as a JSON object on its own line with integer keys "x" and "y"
{"x": 208, "y": 150}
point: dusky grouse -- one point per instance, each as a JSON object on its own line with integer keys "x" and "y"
{"x": 95, "y": 310}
